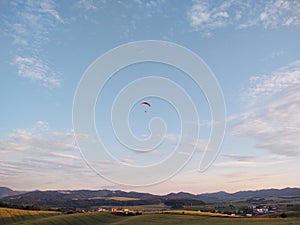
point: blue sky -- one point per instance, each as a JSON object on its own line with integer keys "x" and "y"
{"x": 252, "y": 47}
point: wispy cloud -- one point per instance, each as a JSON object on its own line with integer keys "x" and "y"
{"x": 88, "y": 5}
{"x": 277, "y": 54}
{"x": 273, "y": 14}
{"x": 270, "y": 84}
{"x": 40, "y": 151}
{"x": 37, "y": 70}
{"x": 38, "y": 140}
{"x": 235, "y": 160}
{"x": 29, "y": 28}
{"x": 273, "y": 120}
{"x": 235, "y": 164}
{"x": 50, "y": 8}
{"x": 199, "y": 145}
{"x": 206, "y": 16}
{"x": 40, "y": 147}
{"x": 239, "y": 158}
{"x": 64, "y": 155}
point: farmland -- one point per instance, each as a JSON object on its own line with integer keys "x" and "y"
{"x": 12, "y": 216}
{"x": 18, "y": 217}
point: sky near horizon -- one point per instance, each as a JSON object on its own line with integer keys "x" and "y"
{"x": 251, "y": 47}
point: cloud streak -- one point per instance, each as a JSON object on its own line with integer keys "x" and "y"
{"x": 239, "y": 158}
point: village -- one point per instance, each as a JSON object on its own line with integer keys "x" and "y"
{"x": 116, "y": 211}
{"x": 263, "y": 210}
{"x": 254, "y": 211}
{"x": 250, "y": 211}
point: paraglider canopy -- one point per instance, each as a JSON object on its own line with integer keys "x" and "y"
{"x": 146, "y": 103}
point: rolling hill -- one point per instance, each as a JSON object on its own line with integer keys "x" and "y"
{"x": 19, "y": 217}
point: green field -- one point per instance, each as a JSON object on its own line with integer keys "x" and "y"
{"x": 18, "y": 217}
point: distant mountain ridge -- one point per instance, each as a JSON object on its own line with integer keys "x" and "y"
{"x": 84, "y": 194}
{"x": 222, "y": 195}
{"x": 6, "y": 192}
{"x": 286, "y": 192}
{"x": 61, "y": 198}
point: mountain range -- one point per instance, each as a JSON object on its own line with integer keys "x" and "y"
{"x": 85, "y": 198}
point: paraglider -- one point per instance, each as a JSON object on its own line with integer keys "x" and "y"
{"x": 146, "y": 103}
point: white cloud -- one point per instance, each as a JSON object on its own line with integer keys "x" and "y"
{"x": 276, "y": 54}
{"x": 29, "y": 29}
{"x": 38, "y": 151}
{"x": 273, "y": 14}
{"x": 36, "y": 70}
{"x": 198, "y": 15}
{"x": 202, "y": 17}
{"x": 39, "y": 139}
{"x": 49, "y": 7}
{"x": 151, "y": 7}
{"x": 271, "y": 84}
{"x": 205, "y": 16}
{"x": 273, "y": 120}
{"x": 88, "y": 5}
{"x": 41, "y": 124}
{"x": 276, "y": 126}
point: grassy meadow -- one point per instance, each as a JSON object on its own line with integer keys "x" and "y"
{"x": 27, "y": 217}
{"x": 12, "y": 216}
